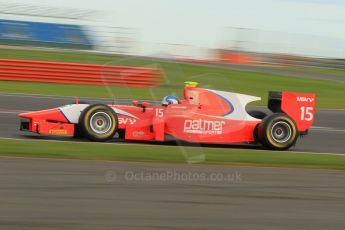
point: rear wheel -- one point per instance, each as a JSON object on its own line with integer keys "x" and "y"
{"x": 257, "y": 114}
{"x": 278, "y": 132}
{"x": 98, "y": 122}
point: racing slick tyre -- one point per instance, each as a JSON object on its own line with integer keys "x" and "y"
{"x": 277, "y": 131}
{"x": 257, "y": 114}
{"x": 98, "y": 122}
{"x": 78, "y": 132}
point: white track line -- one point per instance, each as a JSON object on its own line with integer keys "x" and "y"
{"x": 327, "y": 129}
{"x": 11, "y": 111}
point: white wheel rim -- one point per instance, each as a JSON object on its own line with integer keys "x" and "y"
{"x": 101, "y": 123}
{"x": 281, "y": 132}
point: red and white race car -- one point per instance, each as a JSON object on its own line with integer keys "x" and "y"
{"x": 202, "y": 116}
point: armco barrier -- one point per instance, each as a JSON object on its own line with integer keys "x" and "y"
{"x": 75, "y": 73}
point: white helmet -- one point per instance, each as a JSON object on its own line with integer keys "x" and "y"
{"x": 169, "y": 100}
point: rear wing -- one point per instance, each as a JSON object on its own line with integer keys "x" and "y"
{"x": 299, "y": 106}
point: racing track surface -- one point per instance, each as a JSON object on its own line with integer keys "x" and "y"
{"x": 327, "y": 134}
{"x": 71, "y": 194}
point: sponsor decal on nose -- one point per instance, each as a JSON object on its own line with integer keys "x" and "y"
{"x": 58, "y": 131}
{"x": 127, "y": 120}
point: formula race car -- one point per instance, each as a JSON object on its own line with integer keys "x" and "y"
{"x": 202, "y": 116}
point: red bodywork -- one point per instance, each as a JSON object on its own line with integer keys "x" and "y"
{"x": 204, "y": 116}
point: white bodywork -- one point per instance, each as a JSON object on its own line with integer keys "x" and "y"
{"x": 72, "y": 112}
{"x": 239, "y": 103}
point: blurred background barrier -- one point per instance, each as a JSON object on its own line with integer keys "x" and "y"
{"x": 236, "y": 58}
{"x": 43, "y": 34}
{"x": 74, "y": 73}
{"x": 66, "y": 29}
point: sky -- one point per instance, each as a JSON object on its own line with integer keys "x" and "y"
{"x": 310, "y": 27}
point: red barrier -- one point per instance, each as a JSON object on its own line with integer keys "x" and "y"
{"x": 236, "y": 58}
{"x": 75, "y": 73}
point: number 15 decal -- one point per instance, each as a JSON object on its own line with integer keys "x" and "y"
{"x": 159, "y": 112}
{"x": 307, "y": 113}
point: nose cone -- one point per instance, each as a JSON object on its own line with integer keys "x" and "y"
{"x": 54, "y": 115}
{"x": 38, "y": 114}
{"x": 27, "y": 115}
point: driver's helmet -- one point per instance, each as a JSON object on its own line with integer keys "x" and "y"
{"x": 169, "y": 100}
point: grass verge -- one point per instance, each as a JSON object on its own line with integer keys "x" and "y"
{"x": 319, "y": 70}
{"x": 330, "y": 94}
{"x": 168, "y": 154}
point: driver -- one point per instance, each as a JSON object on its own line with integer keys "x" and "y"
{"x": 169, "y": 100}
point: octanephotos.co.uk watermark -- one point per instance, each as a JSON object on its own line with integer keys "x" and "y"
{"x": 172, "y": 176}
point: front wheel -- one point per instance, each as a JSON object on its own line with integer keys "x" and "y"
{"x": 277, "y": 131}
{"x": 98, "y": 122}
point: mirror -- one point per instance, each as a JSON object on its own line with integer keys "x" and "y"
{"x": 146, "y": 104}
{"x": 135, "y": 103}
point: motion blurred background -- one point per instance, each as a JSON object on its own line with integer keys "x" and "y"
{"x": 268, "y": 32}
{"x": 112, "y": 51}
